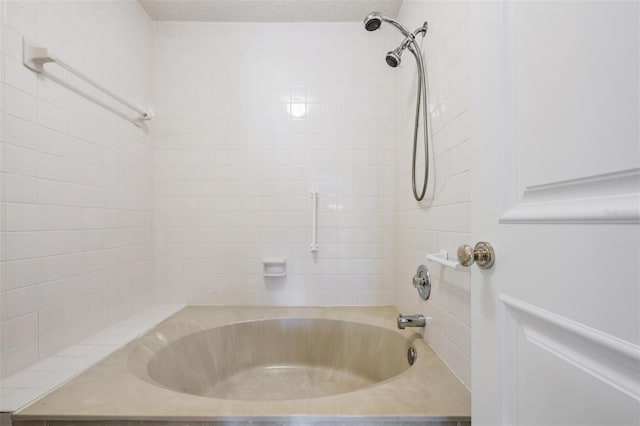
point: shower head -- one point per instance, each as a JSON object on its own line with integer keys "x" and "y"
{"x": 393, "y": 58}
{"x": 373, "y": 21}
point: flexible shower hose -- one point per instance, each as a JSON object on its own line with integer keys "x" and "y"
{"x": 422, "y": 93}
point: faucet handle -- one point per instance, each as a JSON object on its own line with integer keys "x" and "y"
{"x": 422, "y": 282}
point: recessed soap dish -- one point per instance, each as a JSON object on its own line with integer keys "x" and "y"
{"x": 274, "y": 267}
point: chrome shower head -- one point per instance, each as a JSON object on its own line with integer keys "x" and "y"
{"x": 373, "y": 21}
{"x": 394, "y": 58}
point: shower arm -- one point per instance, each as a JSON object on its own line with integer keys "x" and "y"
{"x": 396, "y": 24}
{"x": 410, "y": 38}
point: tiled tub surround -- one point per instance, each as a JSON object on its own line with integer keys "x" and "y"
{"x": 250, "y": 119}
{"x": 121, "y": 386}
{"x": 36, "y": 380}
{"x": 76, "y": 240}
{"x": 82, "y": 212}
{"x": 443, "y": 221}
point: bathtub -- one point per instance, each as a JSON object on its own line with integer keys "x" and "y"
{"x": 238, "y": 365}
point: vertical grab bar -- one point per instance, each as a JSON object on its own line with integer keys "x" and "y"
{"x": 313, "y": 247}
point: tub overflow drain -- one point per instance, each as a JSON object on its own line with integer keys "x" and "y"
{"x": 411, "y": 355}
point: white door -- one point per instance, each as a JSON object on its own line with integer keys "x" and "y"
{"x": 556, "y": 182}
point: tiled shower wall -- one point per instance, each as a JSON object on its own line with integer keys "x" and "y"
{"x": 251, "y": 118}
{"x": 441, "y": 221}
{"x": 76, "y": 180}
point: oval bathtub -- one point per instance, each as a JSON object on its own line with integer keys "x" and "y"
{"x": 280, "y": 359}
{"x": 277, "y": 365}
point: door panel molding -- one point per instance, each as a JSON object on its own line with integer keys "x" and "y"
{"x": 611, "y": 360}
{"x": 607, "y": 198}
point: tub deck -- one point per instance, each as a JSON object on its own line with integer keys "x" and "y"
{"x": 109, "y": 393}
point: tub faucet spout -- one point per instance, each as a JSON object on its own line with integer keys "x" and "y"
{"x": 411, "y": 321}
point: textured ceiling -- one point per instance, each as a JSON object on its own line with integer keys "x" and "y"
{"x": 267, "y": 10}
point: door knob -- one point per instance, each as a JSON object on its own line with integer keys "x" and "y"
{"x": 482, "y": 254}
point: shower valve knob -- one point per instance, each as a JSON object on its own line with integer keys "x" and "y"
{"x": 422, "y": 282}
{"x": 482, "y": 254}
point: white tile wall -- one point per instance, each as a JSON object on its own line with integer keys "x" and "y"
{"x": 42, "y": 377}
{"x": 443, "y": 221}
{"x": 75, "y": 199}
{"x": 251, "y": 118}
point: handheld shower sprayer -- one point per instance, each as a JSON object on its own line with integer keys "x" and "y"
{"x": 394, "y": 57}
{"x": 372, "y": 22}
